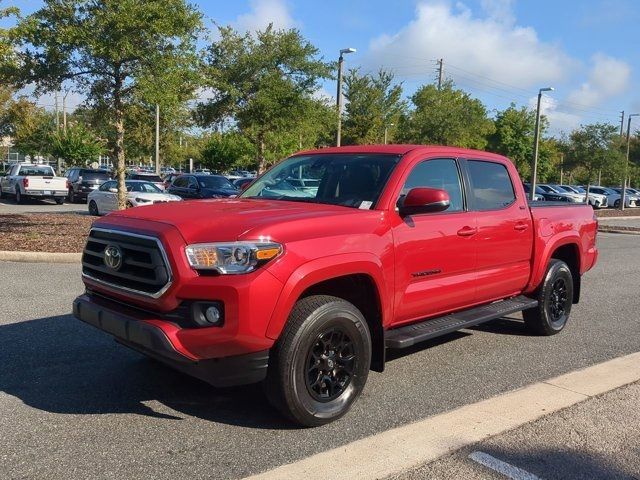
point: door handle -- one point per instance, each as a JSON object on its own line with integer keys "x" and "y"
{"x": 521, "y": 226}
{"x": 467, "y": 231}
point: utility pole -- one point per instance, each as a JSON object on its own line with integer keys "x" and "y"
{"x": 64, "y": 111}
{"x": 621, "y": 122}
{"x": 56, "y": 107}
{"x": 157, "y": 139}
{"x": 440, "y": 72}
{"x": 561, "y": 168}
{"x": 339, "y": 92}
{"x": 536, "y": 141}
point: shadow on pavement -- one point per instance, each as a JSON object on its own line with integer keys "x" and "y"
{"x": 563, "y": 464}
{"x": 58, "y": 364}
{"x": 504, "y": 326}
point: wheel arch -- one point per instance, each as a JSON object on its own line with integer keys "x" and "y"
{"x": 565, "y": 248}
{"x": 358, "y": 281}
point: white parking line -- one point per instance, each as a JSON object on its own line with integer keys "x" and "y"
{"x": 400, "y": 449}
{"x": 506, "y": 469}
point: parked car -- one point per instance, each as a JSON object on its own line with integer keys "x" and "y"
{"x": 240, "y": 183}
{"x": 203, "y": 186}
{"x": 573, "y": 197}
{"x": 27, "y": 180}
{"x": 139, "y": 192}
{"x": 305, "y": 184}
{"x": 400, "y": 244}
{"x": 541, "y": 195}
{"x": 202, "y": 171}
{"x": 596, "y": 200}
{"x": 631, "y": 199}
{"x": 82, "y": 181}
{"x": 148, "y": 177}
{"x": 613, "y": 197}
{"x": 167, "y": 170}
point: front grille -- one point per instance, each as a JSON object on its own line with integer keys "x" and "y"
{"x": 144, "y": 268}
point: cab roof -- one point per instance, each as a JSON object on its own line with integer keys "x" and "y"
{"x": 400, "y": 149}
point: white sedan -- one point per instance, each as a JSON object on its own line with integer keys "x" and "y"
{"x": 105, "y": 199}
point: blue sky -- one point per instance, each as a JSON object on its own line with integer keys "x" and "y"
{"x": 501, "y": 51}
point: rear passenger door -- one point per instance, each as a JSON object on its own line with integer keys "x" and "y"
{"x": 505, "y": 231}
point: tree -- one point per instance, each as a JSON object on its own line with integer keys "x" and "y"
{"x": 446, "y": 116}
{"x": 594, "y": 147}
{"x": 112, "y": 51}
{"x": 29, "y": 126}
{"x": 373, "y": 104}
{"x": 263, "y": 80}
{"x": 76, "y": 145}
{"x": 225, "y": 150}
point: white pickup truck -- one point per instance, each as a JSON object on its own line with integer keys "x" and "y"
{"x": 26, "y": 180}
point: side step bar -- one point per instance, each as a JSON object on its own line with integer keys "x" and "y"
{"x": 409, "y": 335}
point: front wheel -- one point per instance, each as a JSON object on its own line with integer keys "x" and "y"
{"x": 555, "y": 297}
{"x": 320, "y": 364}
{"x": 93, "y": 209}
{"x": 616, "y": 204}
{"x": 59, "y": 201}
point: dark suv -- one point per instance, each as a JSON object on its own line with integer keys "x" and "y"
{"x": 83, "y": 181}
{"x": 202, "y": 186}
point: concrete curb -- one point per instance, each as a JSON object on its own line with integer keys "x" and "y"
{"x": 39, "y": 257}
{"x": 619, "y": 229}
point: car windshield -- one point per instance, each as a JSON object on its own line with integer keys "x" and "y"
{"x": 147, "y": 178}
{"x": 37, "y": 171}
{"x": 564, "y": 189}
{"x": 214, "y": 182}
{"x": 145, "y": 187}
{"x": 94, "y": 175}
{"x": 349, "y": 180}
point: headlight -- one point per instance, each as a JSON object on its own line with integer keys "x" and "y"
{"x": 231, "y": 258}
{"x": 142, "y": 200}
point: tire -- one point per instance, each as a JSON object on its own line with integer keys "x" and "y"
{"x": 93, "y": 209}
{"x": 555, "y": 297}
{"x": 71, "y": 196}
{"x": 19, "y": 198}
{"x": 304, "y": 380}
{"x": 1, "y": 193}
{"x": 59, "y": 201}
{"x": 616, "y": 204}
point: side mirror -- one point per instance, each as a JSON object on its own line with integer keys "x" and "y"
{"x": 424, "y": 200}
{"x": 113, "y": 190}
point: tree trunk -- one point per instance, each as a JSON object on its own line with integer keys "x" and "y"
{"x": 261, "y": 160}
{"x": 119, "y": 146}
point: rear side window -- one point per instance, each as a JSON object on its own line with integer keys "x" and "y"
{"x": 94, "y": 175}
{"x": 438, "y": 173}
{"x": 491, "y": 186}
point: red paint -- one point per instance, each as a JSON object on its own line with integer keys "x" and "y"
{"x": 421, "y": 265}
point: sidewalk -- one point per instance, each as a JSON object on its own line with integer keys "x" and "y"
{"x": 598, "y": 438}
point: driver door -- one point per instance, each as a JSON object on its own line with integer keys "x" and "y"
{"x": 435, "y": 252}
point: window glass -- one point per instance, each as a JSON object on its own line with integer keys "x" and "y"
{"x": 36, "y": 171}
{"x": 490, "y": 185}
{"x": 213, "y": 181}
{"x": 180, "y": 182}
{"x": 192, "y": 183}
{"x": 106, "y": 186}
{"x": 440, "y": 173}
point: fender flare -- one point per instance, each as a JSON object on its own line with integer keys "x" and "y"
{"x": 540, "y": 266}
{"x": 322, "y": 269}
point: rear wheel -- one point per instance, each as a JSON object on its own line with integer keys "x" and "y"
{"x": 320, "y": 364}
{"x": 71, "y": 196}
{"x": 59, "y": 201}
{"x": 93, "y": 208}
{"x": 19, "y": 198}
{"x": 555, "y": 297}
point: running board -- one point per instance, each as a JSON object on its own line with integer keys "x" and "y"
{"x": 409, "y": 335}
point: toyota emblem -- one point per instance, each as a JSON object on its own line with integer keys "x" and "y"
{"x": 113, "y": 257}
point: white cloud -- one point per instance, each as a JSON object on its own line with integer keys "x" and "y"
{"x": 559, "y": 120}
{"x": 608, "y": 77}
{"x": 492, "y": 46}
{"x": 264, "y": 12}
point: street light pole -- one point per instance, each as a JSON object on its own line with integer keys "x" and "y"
{"x": 339, "y": 92}
{"x": 626, "y": 163}
{"x": 386, "y": 127}
{"x": 536, "y": 141}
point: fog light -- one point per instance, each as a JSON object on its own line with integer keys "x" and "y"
{"x": 212, "y": 314}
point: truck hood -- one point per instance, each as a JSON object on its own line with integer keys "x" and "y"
{"x": 233, "y": 219}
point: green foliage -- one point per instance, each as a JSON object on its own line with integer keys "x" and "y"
{"x": 373, "y": 103}
{"x": 225, "y": 150}
{"x": 448, "y": 116}
{"x": 263, "y": 80}
{"x": 594, "y": 148}
{"x": 77, "y": 145}
{"x": 29, "y": 126}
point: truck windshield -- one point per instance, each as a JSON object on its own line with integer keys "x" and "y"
{"x": 349, "y": 180}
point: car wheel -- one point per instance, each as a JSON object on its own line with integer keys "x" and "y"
{"x": 616, "y": 204}
{"x": 1, "y": 193}
{"x": 321, "y": 361}
{"x": 93, "y": 209}
{"x": 555, "y": 297}
{"x": 59, "y": 201}
{"x": 19, "y": 198}
{"x": 71, "y": 196}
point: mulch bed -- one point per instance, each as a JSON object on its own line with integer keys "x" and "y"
{"x": 44, "y": 232}
{"x": 614, "y": 212}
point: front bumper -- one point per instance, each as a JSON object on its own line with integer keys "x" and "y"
{"x": 146, "y": 335}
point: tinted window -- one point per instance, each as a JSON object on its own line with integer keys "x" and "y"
{"x": 107, "y": 185}
{"x": 36, "y": 171}
{"x": 148, "y": 178}
{"x": 442, "y": 174}
{"x": 490, "y": 185}
{"x": 214, "y": 182}
{"x": 180, "y": 182}
{"x": 94, "y": 175}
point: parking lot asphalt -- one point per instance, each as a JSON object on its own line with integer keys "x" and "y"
{"x": 595, "y": 439}
{"x": 74, "y": 404}
{"x": 8, "y": 205}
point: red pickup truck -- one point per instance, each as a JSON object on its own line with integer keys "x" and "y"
{"x": 306, "y": 288}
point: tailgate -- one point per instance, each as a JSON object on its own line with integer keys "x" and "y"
{"x": 47, "y": 183}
